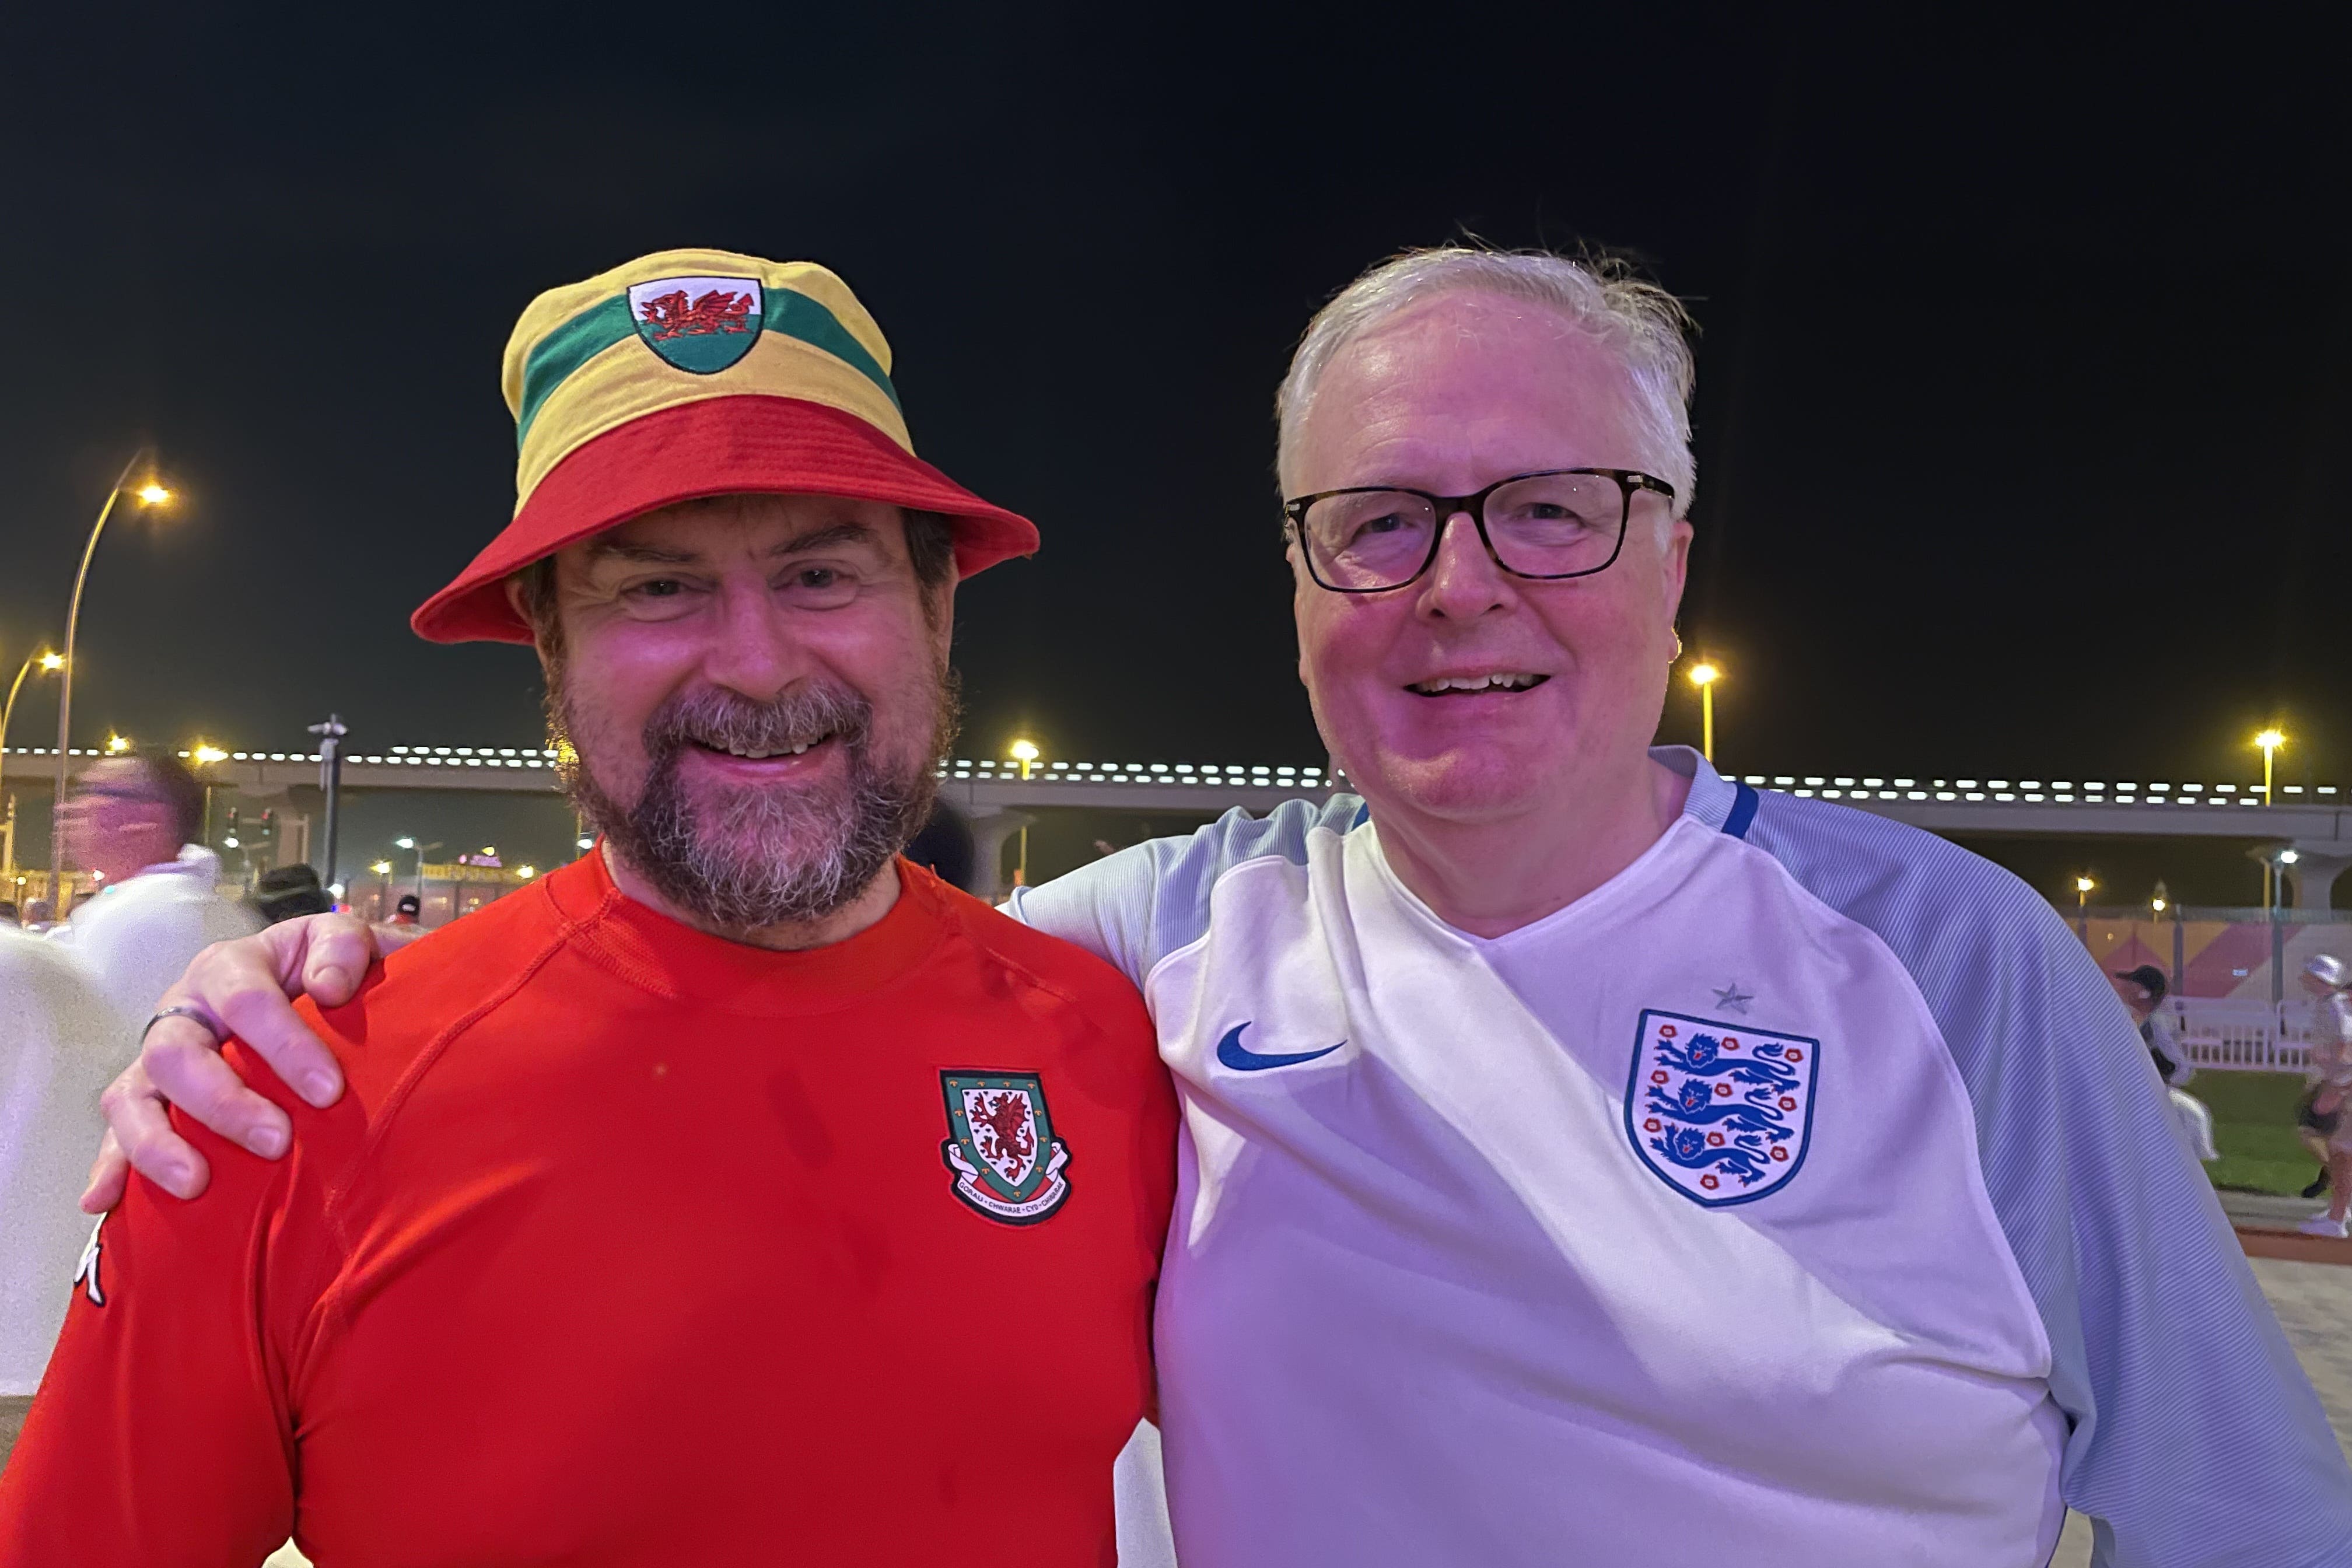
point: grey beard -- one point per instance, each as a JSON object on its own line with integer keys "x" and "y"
{"x": 753, "y": 858}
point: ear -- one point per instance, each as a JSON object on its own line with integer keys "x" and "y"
{"x": 1675, "y": 568}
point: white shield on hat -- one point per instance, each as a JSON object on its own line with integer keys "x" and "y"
{"x": 701, "y": 325}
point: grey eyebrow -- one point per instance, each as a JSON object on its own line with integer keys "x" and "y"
{"x": 818, "y": 538}
{"x": 647, "y": 555}
{"x": 850, "y": 532}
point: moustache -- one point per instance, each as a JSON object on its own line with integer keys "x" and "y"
{"x": 730, "y": 721}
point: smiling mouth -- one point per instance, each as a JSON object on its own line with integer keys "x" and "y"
{"x": 756, "y": 754}
{"x": 1473, "y": 684}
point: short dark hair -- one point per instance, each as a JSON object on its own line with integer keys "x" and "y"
{"x": 930, "y": 550}
{"x": 176, "y": 789}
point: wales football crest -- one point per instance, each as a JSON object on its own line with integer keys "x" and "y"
{"x": 1721, "y": 1112}
{"x": 698, "y": 324}
{"x": 1001, "y": 1146}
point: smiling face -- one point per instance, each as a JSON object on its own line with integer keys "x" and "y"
{"x": 757, "y": 689}
{"x": 1472, "y": 695}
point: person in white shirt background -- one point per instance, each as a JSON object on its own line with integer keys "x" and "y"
{"x": 137, "y": 820}
{"x": 2328, "y": 981}
{"x": 2143, "y": 991}
{"x": 1588, "y": 1158}
{"x": 59, "y": 1045}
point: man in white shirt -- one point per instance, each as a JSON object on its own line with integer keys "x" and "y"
{"x": 1589, "y": 1159}
{"x": 136, "y": 821}
{"x": 59, "y": 1045}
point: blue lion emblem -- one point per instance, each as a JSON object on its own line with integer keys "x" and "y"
{"x": 1719, "y": 1111}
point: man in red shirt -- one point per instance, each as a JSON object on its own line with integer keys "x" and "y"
{"x": 440, "y": 1332}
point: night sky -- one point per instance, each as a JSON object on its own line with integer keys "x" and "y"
{"x": 2023, "y": 407}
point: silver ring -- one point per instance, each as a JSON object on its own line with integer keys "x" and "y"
{"x": 198, "y": 1015}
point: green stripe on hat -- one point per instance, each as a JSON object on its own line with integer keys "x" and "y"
{"x": 564, "y": 350}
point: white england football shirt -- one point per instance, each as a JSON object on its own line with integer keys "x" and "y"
{"x": 1800, "y": 1197}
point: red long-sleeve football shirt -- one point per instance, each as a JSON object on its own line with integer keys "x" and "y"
{"x": 632, "y": 1246}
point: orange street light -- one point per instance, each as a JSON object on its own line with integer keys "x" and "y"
{"x": 150, "y": 494}
{"x": 1704, "y": 675}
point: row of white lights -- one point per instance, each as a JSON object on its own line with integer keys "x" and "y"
{"x": 2031, "y": 791}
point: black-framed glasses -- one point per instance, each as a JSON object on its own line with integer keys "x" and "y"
{"x": 1562, "y": 522}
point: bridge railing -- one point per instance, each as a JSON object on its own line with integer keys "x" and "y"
{"x": 2230, "y": 1034}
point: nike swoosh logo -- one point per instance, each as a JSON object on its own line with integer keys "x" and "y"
{"x": 1230, "y": 1052}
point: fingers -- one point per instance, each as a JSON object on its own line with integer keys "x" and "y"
{"x": 108, "y": 1175}
{"x": 337, "y": 951}
{"x": 137, "y": 1125}
{"x": 242, "y": 984}
{"x": 184, "y": 1068}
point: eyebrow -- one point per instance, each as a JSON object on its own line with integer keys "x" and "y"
{"x": 601, "y": 549}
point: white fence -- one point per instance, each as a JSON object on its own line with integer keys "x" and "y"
{"x": 2251, "y": 1037}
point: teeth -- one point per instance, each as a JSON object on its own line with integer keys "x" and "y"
{"x": 751, "y": 755}
{"x": 1507, "y": 682}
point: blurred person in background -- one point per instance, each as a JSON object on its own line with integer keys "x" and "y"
{"x": 2326, "y": 1129}
{"x": 59, "y": 1045}
{"x": 2143, "y": 992}
{"x": 404, "y": 913}
{"x": 286, "y": 892}
{"x": 136, "y": 821}
{"x": 37, "y": 914}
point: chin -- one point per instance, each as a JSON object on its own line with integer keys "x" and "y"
{"x": 1465, "y": 786}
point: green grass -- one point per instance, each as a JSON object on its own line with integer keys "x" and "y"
{"x": 2253, "y": 1126}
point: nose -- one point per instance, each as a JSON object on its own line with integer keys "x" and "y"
{"x": 753, "y": 650}
{"x": 1463, "y": 583}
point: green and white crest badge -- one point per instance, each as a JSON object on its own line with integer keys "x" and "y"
{"x": 701, "y": 325}
{"x": 1001, "y": 1146}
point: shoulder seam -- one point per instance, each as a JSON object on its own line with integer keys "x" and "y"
{"x": 1172, "y": 955}
{"x": 329, "y": 1306}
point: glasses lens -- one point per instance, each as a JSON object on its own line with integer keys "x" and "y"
{"x": 1369, "y": 539}
{"x": 1556, "y": 525}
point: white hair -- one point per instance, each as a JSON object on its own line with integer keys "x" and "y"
{"x": 1646, "y": 328}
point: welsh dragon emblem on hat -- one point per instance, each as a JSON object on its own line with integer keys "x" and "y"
{"x": 701, "y": 325}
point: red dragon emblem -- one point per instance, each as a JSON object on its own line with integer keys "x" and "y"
{"x": 720, "y": 310}
{"x": 1003, "y": 1131}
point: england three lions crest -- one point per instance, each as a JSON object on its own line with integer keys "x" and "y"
{"x": 1001, "y": 1146}
{"x": 1721, "y": 1111}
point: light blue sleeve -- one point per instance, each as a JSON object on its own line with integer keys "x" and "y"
{"x": 1135, "y": 908}
{"x": 2196, "y": 1441}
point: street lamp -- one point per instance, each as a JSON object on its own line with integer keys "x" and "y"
{"x": 1704, "y": 675}
{"x": 2082, "y": 886}
{"x": 49, "y": 664}
{"x": 149, "y": 494}
{"x": 2270, "y": 741}
{"x": 117, "y": 744}
{"x": 2159, "y": 902}
{"x": 407, "y": 843}
{"x": 1025, "y": 753}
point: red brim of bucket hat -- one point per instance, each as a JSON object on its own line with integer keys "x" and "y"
{"x": 719, "y": 446}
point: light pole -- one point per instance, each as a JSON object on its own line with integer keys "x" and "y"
{"x": 407, "y": 843}
{"x": 1704, "y": 675}
{"x": 149, "y": 494}
{"x": 2270, "y": 741}
{"x": 2082, "y": 886}
{"x": 1025, "y": 752}
{"x": 49, "y": 664}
